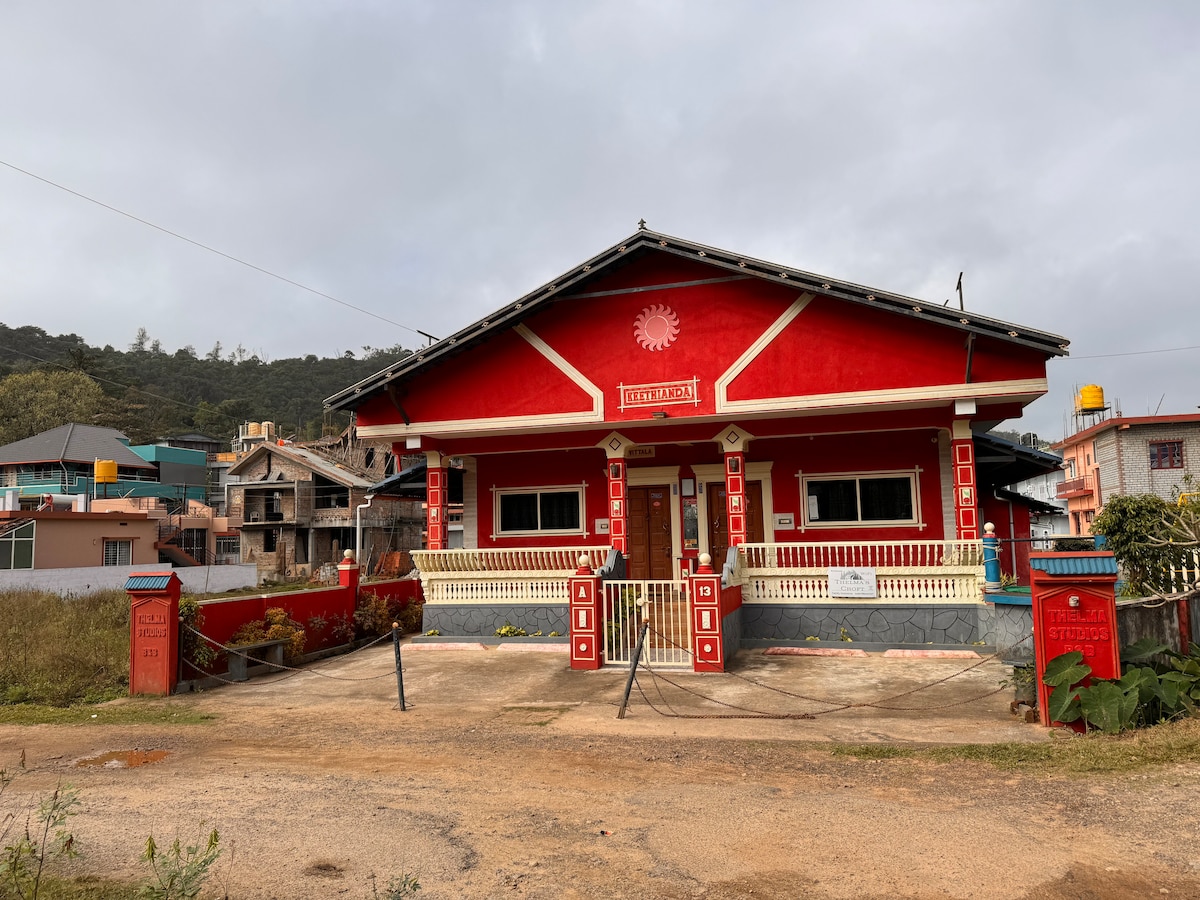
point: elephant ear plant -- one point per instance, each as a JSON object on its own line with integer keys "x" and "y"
{"x": 1157, "y": 685}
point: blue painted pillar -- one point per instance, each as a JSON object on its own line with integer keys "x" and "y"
{"x": 991, "y": 558}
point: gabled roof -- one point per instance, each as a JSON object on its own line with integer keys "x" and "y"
{"x": 569, "y": 286}
{"x": 314, "y": 462}
{"x": 73, "y": 443}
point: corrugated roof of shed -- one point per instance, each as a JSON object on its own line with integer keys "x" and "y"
{"x": 1098, "y": 564}
{"x": 148, "y": 582}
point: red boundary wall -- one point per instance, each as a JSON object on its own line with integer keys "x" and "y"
{"x": 223, "y": 617}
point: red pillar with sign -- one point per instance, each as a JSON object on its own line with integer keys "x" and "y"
{"x": 966, "y": 507}
{"x": 618, "y": 533}
{"x": 436, "y": 498}
{"x": 153, "y": 632}
{"x": 1074, "y": 608}
{"x": 587, "y": 620}
{"x": 735, "y": 497}
{"x": 708, "y": 648}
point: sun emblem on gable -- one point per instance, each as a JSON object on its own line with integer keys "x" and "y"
{"x": 656, "y": 327}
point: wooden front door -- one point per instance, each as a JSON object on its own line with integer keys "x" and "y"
{"x": 649, "y": 517}
{"x": 718, "y": 519}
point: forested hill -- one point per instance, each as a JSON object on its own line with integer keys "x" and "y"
{"x": 150, "y": 393}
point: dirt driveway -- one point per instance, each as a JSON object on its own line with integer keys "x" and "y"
{"x": 511, "y": 776}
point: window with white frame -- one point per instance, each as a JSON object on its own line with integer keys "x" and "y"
{"x": 878, "y": 498}
{"x": 118, "y": 553}
{"x": 16, "y": 547}
{"x": 548, "y": 510}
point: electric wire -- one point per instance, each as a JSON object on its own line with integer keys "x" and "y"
{"x": 221, "y": 253}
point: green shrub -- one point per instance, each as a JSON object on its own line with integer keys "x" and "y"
{"x": 275, "y": 626}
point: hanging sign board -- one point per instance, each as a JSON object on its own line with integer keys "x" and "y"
{"x": 858, "y": 582}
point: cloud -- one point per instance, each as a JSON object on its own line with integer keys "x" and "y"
{"x": 432, "y": 161}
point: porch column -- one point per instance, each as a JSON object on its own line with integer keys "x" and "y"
{"x": 614, "y": 447}
{"x": 436, "y": 491}
{"x": 962, "y": 456}
{"x": 733, "y": 447}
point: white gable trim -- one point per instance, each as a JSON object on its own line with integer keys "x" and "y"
{"x": 506, "y": 423}
{"x": 753, "y": 351}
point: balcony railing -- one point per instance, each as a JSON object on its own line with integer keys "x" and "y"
{"x": 905, "y": 572}
{"x": 1075, "y": 487}
{"x": 486, "y": 577}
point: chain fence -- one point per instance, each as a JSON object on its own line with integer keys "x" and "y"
{"x": 833, "y": 705}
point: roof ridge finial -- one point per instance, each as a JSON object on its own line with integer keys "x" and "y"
{"x": 641, "y": 224}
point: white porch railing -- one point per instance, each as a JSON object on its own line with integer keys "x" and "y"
{"x": 491, "y": 576}
{"x": 906, "y": 571}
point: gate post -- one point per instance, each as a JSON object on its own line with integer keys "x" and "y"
{"x": 1074, "y": 608}
{"x": 153, "y": 632}
{"x": 586, "y": 619}
{"x": 708, "y": 644}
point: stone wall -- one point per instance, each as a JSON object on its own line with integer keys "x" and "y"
{"x": 916, "y": 623}
{"x": 482, "y": 621}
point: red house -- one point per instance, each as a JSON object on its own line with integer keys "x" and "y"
{"x": 665, "y": 400}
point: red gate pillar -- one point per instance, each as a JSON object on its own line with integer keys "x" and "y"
{"x": 153, "y": 632}
{"x": 1074, "y": 608}
{"x": 708, "y": 647}
{"x": 349, "y": 575}
{"x": 587, "y": 622}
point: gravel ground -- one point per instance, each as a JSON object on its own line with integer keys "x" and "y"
{"x": 511, "y": 777}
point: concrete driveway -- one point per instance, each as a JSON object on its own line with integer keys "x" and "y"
{"x": 867, "y": 699}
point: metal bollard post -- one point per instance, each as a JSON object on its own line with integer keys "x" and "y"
{"x": 637, "y": 656}
{"x": 399, "y": 669}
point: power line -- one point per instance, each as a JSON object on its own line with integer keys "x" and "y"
{"x": 1134, "y": 353}
{"x": 220, "y": 253}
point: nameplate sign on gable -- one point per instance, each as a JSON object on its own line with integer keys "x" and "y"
{"x": 662, "y": 393}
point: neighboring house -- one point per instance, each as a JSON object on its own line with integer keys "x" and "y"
{"x": 189, "y": 534}
{"x": 668, "y": 399}
{"x": 1019, "y": 518}
{"x": 1052, "y": 518}
{"x": 1127, "y": 455}
{"x": 300, "y": 509}
{"x": 65, "y": 539}
{"x": 62, "y": 461}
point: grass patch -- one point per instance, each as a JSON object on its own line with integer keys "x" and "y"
{"x": 129, "y": 712}
{"x": 1166, "y": 744}
{"x": 63, "y": 650}
{"x": 84, "y": 887}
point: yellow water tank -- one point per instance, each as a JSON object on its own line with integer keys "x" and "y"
{"x": 106, "y": 471}
{"x": 253, "y": 429}
{"x": 268, "y": 430}
{"x": 1091, "y": 398}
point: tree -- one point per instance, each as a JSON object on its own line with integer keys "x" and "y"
{"x": 1134, "y": 525}
{"x": 139, "y": 342}
{"x": 33, "y": 402}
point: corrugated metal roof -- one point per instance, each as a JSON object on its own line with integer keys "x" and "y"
{"x": 73, "y": 443}
{"x": 155, "y": 582}
{"x": 1086, "y": 564}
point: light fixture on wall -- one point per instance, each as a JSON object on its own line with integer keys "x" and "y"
{"x": 658, "y": 414}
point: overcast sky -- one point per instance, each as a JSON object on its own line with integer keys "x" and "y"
{"x": 431, "y": 161}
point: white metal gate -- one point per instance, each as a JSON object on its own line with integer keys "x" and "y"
{"x": 665, "y": 604}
